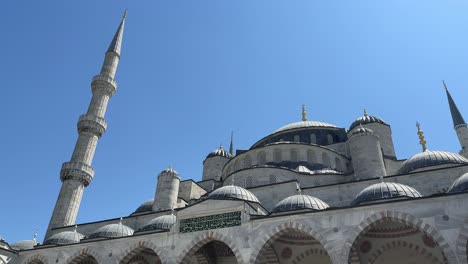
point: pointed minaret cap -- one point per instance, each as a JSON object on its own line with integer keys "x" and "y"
{"x": 116, "y": 43}
{"x": 457, "y": 118}
{"x": 231, "y": 145}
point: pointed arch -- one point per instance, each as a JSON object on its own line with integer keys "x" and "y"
{"x": 36, "y": 259}
{"x": 138, "y": 248}
{"x": 204, "y": 239}
{"x": 399, "y": 217}
{"x": 263, "y": 245}
{"x": 462, "y": 243}
{"x": 82, "y": 254}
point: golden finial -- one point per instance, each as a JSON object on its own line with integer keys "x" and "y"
{"x": 304, "y": 113}
{"x": 445, "y": 85}
{"x": 422, "y": 140}
{"x": 221, "y": 146}
{"x": 365, "y": 113}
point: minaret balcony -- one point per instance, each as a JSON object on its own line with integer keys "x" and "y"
{"x": 92, "y": 124}
{"x": 77, "y": 171}
{"x": 103, "y": 82}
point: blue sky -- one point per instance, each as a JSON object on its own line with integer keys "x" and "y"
{"x": 193, "y": 71}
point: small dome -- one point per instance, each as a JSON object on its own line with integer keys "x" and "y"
{"x": 385, "y": 190}
{"x": 431, "y": 158}
{"x": 305, "y": 124}
{"x": 145, "y": 207}
{"x": 298, "y": 202}
{"x": 164, "y": 222}
{"x": 64, "y": 238}
{"x": 366, "y": 119}
{"x": 233, "y": 192}
{"x": 219, "y": 153}
{"x": 460, "y": 184}
{"x": 112, "y": 230}
{"x": 24, "y": 244}
{"x": 362, "y": 130}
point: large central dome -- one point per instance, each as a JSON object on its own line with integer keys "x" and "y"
{"x": 304, "y": 124}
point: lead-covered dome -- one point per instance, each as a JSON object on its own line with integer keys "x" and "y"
{"x": 145, "y": 207}
{"x": 362, "y": 131}
{"x": 431, "y": 158}
{"x": 64, "y": 238}
{"x": 164, "y": 222}
{"x": 220, "y": 152}
{"x": 460, "y": 184}
{"x": 385, "y": 190}
{"x": 298, "y": 202}
{"x": 24, "y": 244}
{"x": 233, "y": 192}
{"x": 366, "y": 119}
{"x": 304, "y": 124}
{"x": 112, "y": 231}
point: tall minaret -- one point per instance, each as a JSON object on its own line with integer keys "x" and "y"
{"x": 458, "y": 123}
{"x": 78, "y": 173}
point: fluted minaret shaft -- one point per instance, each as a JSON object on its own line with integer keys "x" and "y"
{"x": 78, "y": 173}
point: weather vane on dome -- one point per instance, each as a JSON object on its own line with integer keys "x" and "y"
{"x": 304, "y": 113}
{"x": 422, "y": 139}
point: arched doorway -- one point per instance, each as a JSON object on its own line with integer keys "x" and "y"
{"x": 141, "y": 255}
{"x": 213, "y": 252}
{"x": 394, "y": 241}
{"x": 292, "y": 246}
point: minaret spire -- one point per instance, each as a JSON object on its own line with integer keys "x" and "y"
{"x": 458, "y": 123}
{"x": 78, "y": 173}
{"x": 231, "y": 145}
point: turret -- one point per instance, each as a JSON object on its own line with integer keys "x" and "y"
{"x": 167, "y": 190}
{"x": 214, "y": 163}
{"x": 366, "y": 154}
{"x": 78, "y": 173}
{"x": 459, "y": 124}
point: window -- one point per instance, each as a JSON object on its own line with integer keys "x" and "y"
{"x": 247, "y": 161}
{"x": 313, "y": 139}
{"x": 326, "y": 160}
{"x": 277, "y": 155}
{"x": 329, "y": 139}
{"x": 338, "y": 165}
{"x": 297, "y": 138}
{"x": 261, "y": 158}
{"x": 311, "y": 157}
{"x": 293, "y": 155}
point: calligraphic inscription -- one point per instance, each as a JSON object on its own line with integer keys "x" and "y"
{"x": 210, "y": 222}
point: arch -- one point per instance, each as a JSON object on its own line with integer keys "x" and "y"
{"x": 462, "y": 243}
{"x": 264, "y": 243}
{"x": 403, "y": 218}
{"x": 204, "y": 239}
{"x": 402, "y": 244}
{"x": 138, "y": 248}
{"x": 82, "y": 254}
{"x": 36, "y": 259}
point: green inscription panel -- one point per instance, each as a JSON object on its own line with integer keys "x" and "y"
{"x": 210, "y": 222}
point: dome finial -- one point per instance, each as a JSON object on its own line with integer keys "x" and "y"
{"x": 120, "y": 221}
{"x": 298, "y": 187}
{"x": 35, "y": 236}
{"x": 365, "y": 113}
{"x": 76, "y": 229}
{"x": 233, "y": 180}
{"x": 304, "y": 113}
{"x": 221, "y": 146}
{"x": 422, "y": 139}
{"x": 172, "y": 211}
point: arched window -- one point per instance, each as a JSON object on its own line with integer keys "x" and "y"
{"x": 297, "y": 138}
{"x": 326, "y": 160}
{"x": 247, "y": 162}
{"x": 311, "y": 157}
{"x": 338, "y": 165}
{"x": 293, "y": 155}
{"x": 329, "y": 139}
{"x": 313, "y": 139}
{"x": 261, "y": 158}
{"x": 277, "y": 155}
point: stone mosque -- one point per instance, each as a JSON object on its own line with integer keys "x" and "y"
{"x": 310, "y": 192}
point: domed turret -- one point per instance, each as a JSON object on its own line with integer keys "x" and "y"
{"x": 164, "y": 222}
{"x": 64, "y": 238}
{"x": 112, "y": 231}
{"x": 214, "y": 163}
{"x": 233, "y": 192}
{"x": 460, "y": 184}
{"x": 431, "y": 158}
{"x": 167, "y": 190}
{"x": 381, "y": 129}
{"x": 366, "y": 154}
{"x": 385, "y": 190}
{"x": 300, "y": 202}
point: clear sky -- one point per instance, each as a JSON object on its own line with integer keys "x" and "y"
{"x": 193, "y": 71}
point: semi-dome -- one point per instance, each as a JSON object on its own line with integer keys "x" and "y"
{"x": 385, "y": 190}
{"x": 220, "y": 152}
{"x": 304, "y": 124}
{"x": 233, "y": 192}
{"x": 112, "y": 231}
{"x": 366, "y": 119}
{"x": 164, "y": 222}
{"x": 145, "y": 207}
{"x": 431, "y": 158}
{"x": 24, "y": 244}
{"x": 298, "y": 202}
{"x": 64, "y": 238}
{"x": 460, "y": 185}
